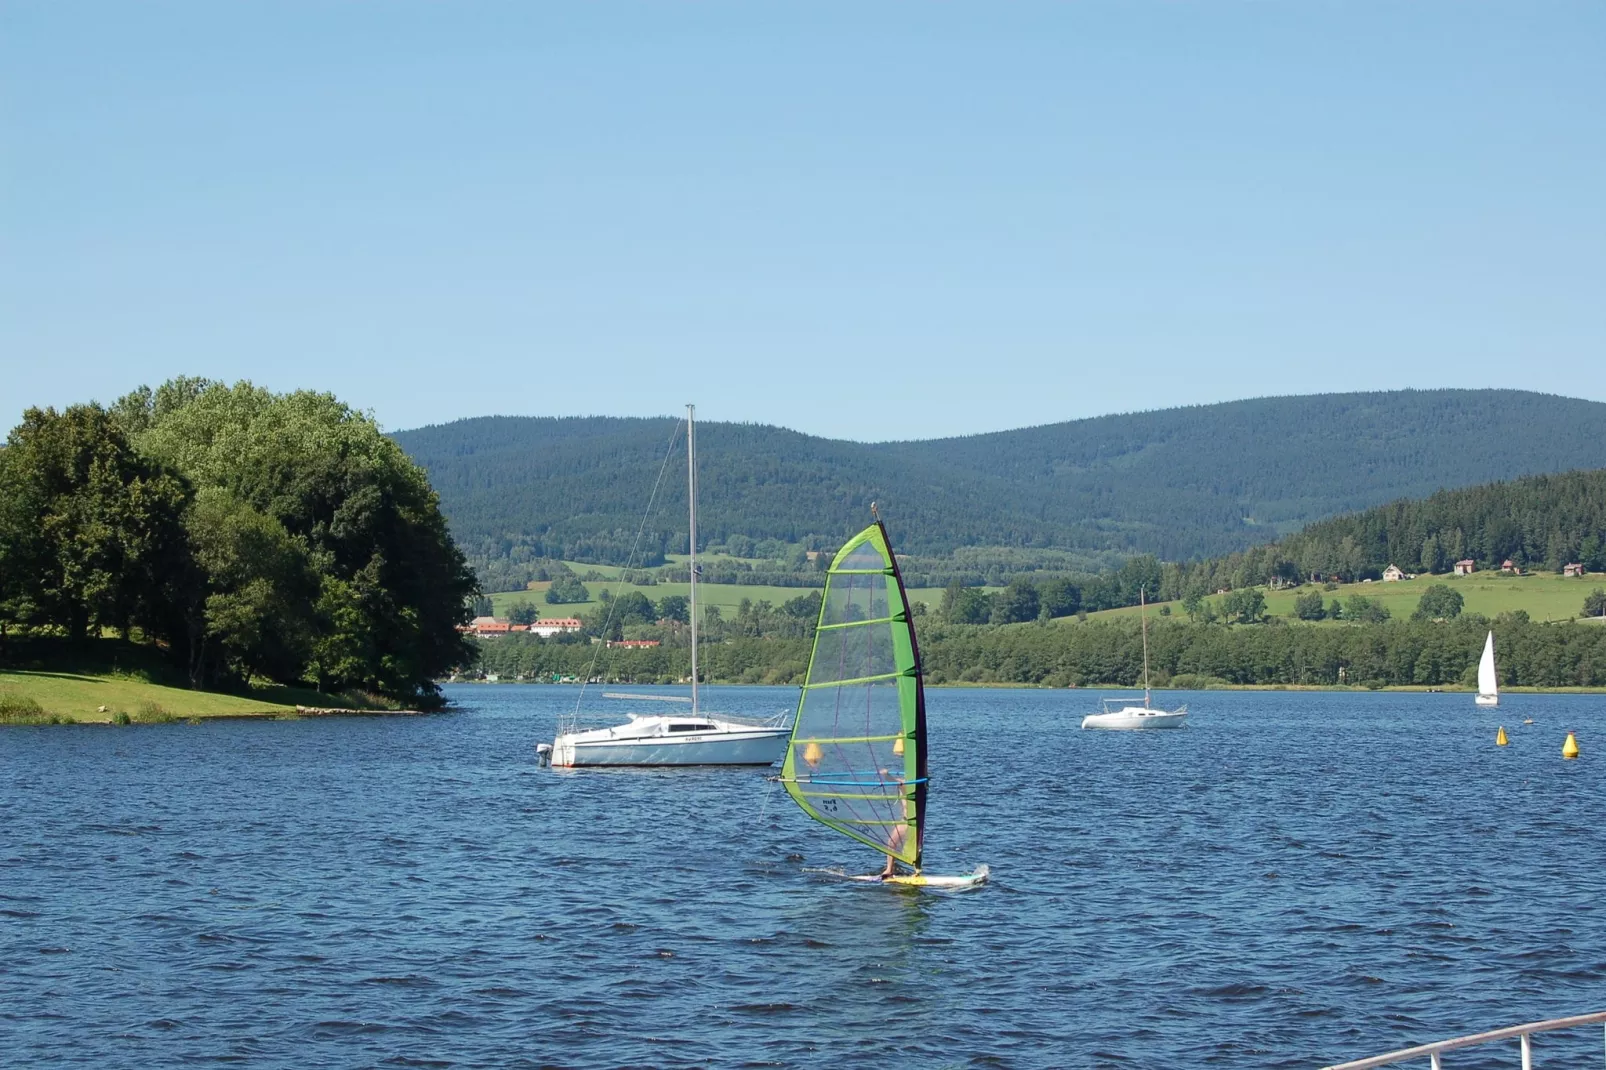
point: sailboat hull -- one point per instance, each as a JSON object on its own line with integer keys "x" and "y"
{"x": 1487, "y": 700}
{"x": 658, "y": 741}
{"x": 1134, "y": 718}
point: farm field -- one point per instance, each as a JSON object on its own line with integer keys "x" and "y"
{"x": 727, "y": 596}
{"x": 1544, "y": 596}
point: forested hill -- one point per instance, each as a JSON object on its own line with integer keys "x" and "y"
{"x": 1540, "y": 522}
{"x": 1179, "y": 483}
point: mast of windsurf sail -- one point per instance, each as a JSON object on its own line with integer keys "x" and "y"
{"x": 922, "y": 773}
{"x": 691, "y": 495}
{"x": 1143, "y": 612}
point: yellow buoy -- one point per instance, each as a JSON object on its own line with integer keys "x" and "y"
{"x": 1500, "y": 737}
{"x": 1569, "y": 749}
{"x": 897, "y": 745}
{"x": 812, "y": 754}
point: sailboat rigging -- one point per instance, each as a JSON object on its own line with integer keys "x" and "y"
{"x": 694, "y": 738}
{"x": 856, "y": 761}
{"x": 1144, "y": 716}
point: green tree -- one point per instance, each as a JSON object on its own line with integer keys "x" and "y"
{"x": 1365, "y": 610}
{"x": 1015, "y": 603}
{"x": 363, "y": 514}
{"x": 96, "y": 529}
{"x": 523, "y": 611}
{"x": 253, "y": 595}
{"x": 1595, "y": 603}
{"x": 566, "y": 590}
{"x": 1245, "y": 605}
{"x": 674, "y": 607}
{"x": 1309, "y": 606}
{"x": 1439, "y": 602}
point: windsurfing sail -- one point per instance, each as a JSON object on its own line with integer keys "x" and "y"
{"x": 857, "y": 759}
{"x": 1487, "y": 685}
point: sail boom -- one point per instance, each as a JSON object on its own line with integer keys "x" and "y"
{"x": 855, "y": 681}
{"x": 862, "y": 623}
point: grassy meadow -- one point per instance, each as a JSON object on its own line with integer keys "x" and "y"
{"x": 1545, "y": 596}
{"x": 727, "y": 596}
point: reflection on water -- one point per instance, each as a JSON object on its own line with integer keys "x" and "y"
{"x": 1293, "y": 879}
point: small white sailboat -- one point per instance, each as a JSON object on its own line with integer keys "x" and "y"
{"x": 856, "y": 762}
{"x": 696, "y": 738}
{"x": 1129, "y": 717}
{"x": 1488, "y": 685}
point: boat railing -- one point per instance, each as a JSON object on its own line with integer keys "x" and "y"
{"x": 1432, "y": 1051}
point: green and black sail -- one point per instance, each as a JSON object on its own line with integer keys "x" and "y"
{"x": 857, "y": 759}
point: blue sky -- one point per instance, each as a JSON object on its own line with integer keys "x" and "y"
{"x": 863, "y": 220}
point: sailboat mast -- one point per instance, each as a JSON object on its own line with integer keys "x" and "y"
{"x": 1143, "y": 610}
{"x": 691, "y": 495}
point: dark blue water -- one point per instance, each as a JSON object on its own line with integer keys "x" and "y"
{"x": 1294, "y": 879}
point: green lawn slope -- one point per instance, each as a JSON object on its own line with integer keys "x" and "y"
{"x": 112, "y": 681}
{"x": 1544, "y": 596}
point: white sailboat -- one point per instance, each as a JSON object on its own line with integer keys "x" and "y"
{"x": 694, "y": 738}
{"x": 1488, "y": 685}
{"x": 1130, "y": 717}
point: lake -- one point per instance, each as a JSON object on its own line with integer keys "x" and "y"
{"x": 1293, "y": 879}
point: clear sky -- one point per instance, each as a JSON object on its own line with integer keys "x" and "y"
{"x": 864, "y": 220}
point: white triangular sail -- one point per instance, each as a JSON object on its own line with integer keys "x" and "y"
{"x": 1488, "y": 685}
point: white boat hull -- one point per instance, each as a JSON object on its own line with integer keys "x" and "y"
{"x": 1135, "y": 718}
{"x": 1487, "y": 700}
{"x": 658, "y": 741}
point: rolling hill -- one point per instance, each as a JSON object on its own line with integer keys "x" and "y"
{"x": 1180, "y": 483}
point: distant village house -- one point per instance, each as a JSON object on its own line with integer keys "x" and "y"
{"x": 1466, "y": 567}
{"x": 1393, "y": 574}
{"x": 556, "y": 625}
{"x": 1509, "y": 568}
{"x": 1574, "y": 569}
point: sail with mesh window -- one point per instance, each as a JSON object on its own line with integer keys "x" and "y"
{"x": 857, "y": 759}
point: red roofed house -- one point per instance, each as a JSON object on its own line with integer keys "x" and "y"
{"x": 1508, "y": 567}
{"x": 1466, "y": 567}
{"x": 548, "y": 628}
{"x": 1573, "y": 570}
{"x": 489, "y": 626}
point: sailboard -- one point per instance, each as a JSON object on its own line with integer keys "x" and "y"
{"x": 856, "y": 761}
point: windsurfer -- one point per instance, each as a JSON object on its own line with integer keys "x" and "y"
{"x": 894, "y": 842}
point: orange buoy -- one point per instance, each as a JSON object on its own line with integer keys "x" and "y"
{"x": 1500, "y": 737}
{"x": 1569, "y": 749}
{"x": 812, "y": 754}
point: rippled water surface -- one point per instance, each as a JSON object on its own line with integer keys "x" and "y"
{"x": 1293, "y": 879}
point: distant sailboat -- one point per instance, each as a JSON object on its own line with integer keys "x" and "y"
{"x": 857, "y": 758}
{"x": 1136, "y": 717}
{"x": 1488, "y": 685}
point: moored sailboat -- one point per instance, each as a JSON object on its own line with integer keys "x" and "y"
{"x": 696, "y": 738}
{"x": 857, "y": 757}
{"x": 1130, "y": 717}
{"x": 1488, "y": 685}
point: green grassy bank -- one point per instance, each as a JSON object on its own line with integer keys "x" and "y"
{"x": 110, "y": 681}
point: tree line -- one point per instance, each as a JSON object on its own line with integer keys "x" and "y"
{"x": 1414, "y": 652}
{"x": 247, "y": 534}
